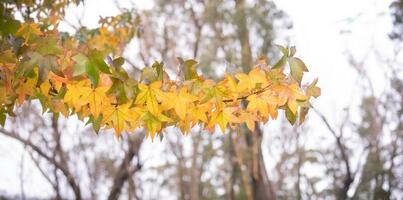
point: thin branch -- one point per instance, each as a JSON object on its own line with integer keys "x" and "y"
{"x": 349, "y": 177}
{"x": 61, "y": 167}
{"x": 122, "y": 173}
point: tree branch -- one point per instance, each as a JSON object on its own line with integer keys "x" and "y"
{"x": 123, "y": 173}
{"x": 62, "y": 168}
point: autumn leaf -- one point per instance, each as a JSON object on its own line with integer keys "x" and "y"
{"x": 81, "y": 64}
{"x": 249, "y": 119}
{"x": 148, "y": 96}
{"x": 180, "y": 102}
{"x": 265, "y": 103}
{"x": 248, "y": 82}
{"x": 97, "y": 100}
{"x": 222, "y": 118}
{"x": 313, "y": 90}
{"x": 77, "y": 93}
{"x": 25, "y": 89}
{"x": 153, "y": 123}
{"x": 198, "y": 113}
{"x": 3, "y": 95}
{"x": 69, "y": 76}
{"x": 117, "y": 117}
{"x": 29, "y": 31}
{"x": 298, "y": 68}
{"x": 289, "y": 94}
{"x": 44, "y": 87}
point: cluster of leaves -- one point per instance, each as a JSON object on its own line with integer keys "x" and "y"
{"x": 69, "y": 76}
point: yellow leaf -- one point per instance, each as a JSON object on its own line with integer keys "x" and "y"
{"x": 182, "y": 101}
{"x": 117, "y": 117}
{"x": 25, "y": 89}
{"x": 198, "y": 113}
{"x": 97, "y": 99}
{"x": 222, "y": 118}
{"x": 290, "y": 94}
{"x": 153, "y": 123}
{"x": 58, "y": 106}
{"x": 264, "y": 103}
{"x": 3, "y": 94}
{"x": 248, "y": 118}
{"x": 76, "y": 94}
{"x": 248, "y": 82}
{"x": 148, "y": 96}
{"x": 45, "y": 86}
{"x": 28, "y": 31}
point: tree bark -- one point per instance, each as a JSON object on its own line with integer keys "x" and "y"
{"x": 123, "y": 173}
{"x": 262, "y": 188}
{"x": 66, "y": 172}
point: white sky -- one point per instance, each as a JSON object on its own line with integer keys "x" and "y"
{"x": 316, "y": 33}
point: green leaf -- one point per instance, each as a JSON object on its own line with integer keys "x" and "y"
{"x": 118, "y": 62}
{"x": 46, "y": 64}
{"x": 149, "y": 74}
{"x": 32, "y": 60}
{"x": 97, "y": 59}
{"x": 48, "y": 45}
{"x": 284, "y": 50}
{"x": 118, "y": 90}
{"x": 189, "y": 69}
{"x": 81, "y": 64}
{"x": 8, "y": 26}
{"x": 93, "y": 73}
{"x": 290, "y": 116}
{"x": 96, "y": 123}
{"x": 159, "y": 69}
{"x": 91, "y": 65}
{"x": 280, "y": 63}
{"x": 297, "y": 68}
{"x": 3, "y": 118}
{"x": 293, "y": 50}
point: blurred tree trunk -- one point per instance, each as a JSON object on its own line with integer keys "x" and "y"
{"x": 260, "y": 184}
{"x": 194, "y": 172}
{"x": 124, "y": 172}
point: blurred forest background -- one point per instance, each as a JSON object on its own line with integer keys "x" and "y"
{"x": 353, "y": 151}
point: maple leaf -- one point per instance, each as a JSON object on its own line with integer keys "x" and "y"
{"x": 248, "y": 82}
{"x": 118, "y": 116}
{"x": 297, "y": 68}
{"x": 76, "y": 94}
{"x": 257, "y": 103}
{"x": 58, "y": 106}
{"x": 180, "y": 102}
{"x": 265, "y": 103}
{"x": 198, "y": 113}
{"x": 24, "y": 89}
{"x": 29, "y": 31}
{"x": 222, "y": 118}
{"x": 7, "y": 59}
{"x": 45, "y": 86}
{"x": 289, "y": 94}
{"x": 153, "y": 123}
{"x": 148, "y": 95}
{"x": 97, "y": 99}
{"x": 313, "y": 90}
{"x": 248, "y": 118}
